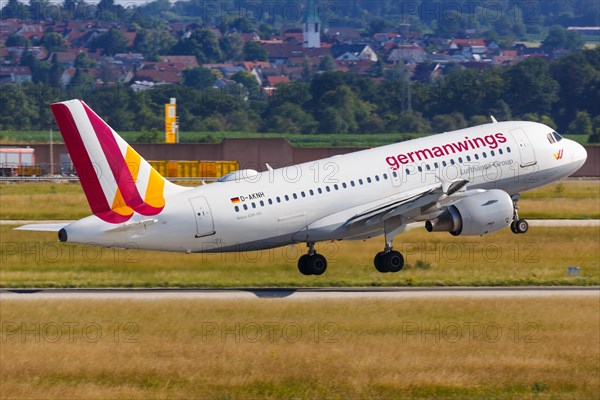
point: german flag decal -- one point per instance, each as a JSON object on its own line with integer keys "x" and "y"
{"x": 235, "y": 200}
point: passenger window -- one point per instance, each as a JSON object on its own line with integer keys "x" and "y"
{"x": 245, "y": 206}
{"x": 407, "y": 171}
{"x": 312, "y": 192}
{"x": 320, "y": 190}
{"x": 352, "y": 183}
{"x": 287, "y": 198}
{"x": 360, "y": 181}
{"x": 344, "y": 185}
{"x": 253, "y": 205}
{"x": 460, "y": 160}
{"x": 270, "y": 202}
{"x": 468, "y": 158}
{"x": 492, "y": 153}
{"x": 420, "y": 169}
{"x": 452, "y": 162}
{"x": 444, "y": 163}
{"x": 377, "y": 178}
{"x": 278, "y": 199}
{"x": 395, "y": 174}
{"x": 327, "y": 188}
{"x": 477, "y": 156}
{"x": 237, "y": 209}
{"x": 303, "y": 194}
{"x": 262, "y": 203}
{"x": 436, "y": 165}
{"x": 369, "y": 180}
{"x": 484, "y": 154}
{"x": 500, "y": 151}
{"x": 428, "y": 167}
{"x": 336, "y": 187}
{"x": 385, "y": 176}
{"x": 508, "y": 149}
{"x": 295, "y": 196}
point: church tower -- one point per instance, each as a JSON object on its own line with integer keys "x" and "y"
{"x": 312, "y": 26}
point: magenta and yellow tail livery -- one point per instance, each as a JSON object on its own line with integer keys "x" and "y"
{"x": 116, "y": 180}
{"x": 465, "y": 182}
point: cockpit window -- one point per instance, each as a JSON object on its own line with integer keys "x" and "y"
{"x": 550, "y": 138}
{"x": 557, "y": 136}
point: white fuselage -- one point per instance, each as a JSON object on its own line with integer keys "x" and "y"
{"x": 313, "y": 201}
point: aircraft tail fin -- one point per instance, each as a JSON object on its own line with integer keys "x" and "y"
{"x": 116, "y": 180}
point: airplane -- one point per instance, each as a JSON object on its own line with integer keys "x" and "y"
{"x": 466, "y": 182}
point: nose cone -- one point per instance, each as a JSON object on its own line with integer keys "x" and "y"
{"x": 579, "y": 154}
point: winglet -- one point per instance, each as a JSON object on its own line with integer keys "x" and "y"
{"x": 493, "y": 119}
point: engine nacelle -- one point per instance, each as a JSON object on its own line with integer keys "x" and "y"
{"x": 475, "y": 215}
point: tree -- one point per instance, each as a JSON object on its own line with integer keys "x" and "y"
{"x": 289, "y": 118}
{"x": 198, "y": 78}
{"x": 16, "y": 40}
{"x": 581, "y": 125}
{"x": 249, "y": 81}
{"x": 153, "y": 42}
{"x": 55, "y": 72}
{"x": 327, "y": 64}
{"x": 560, "y": 38}
{"x": 14, "y": 9}
{"x": 111, "y": 42}
{"x": 203, "y": 44}
{"x": 53, "y": 41}
{"x": 232, "y": 47}
{"x": 530, "y": 87}
{"x": 82, "y": 60}
{"x": 254, "y": 51}
{"x": 408, "y": 121}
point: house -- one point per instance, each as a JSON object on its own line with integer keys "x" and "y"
{"x": 14, "y": 74}
{"x": 407, "y": 53}
{"x": 353, "y": 52}
{"x": 159, "y": 72}
{"x": 342, "y": 35}
{"x": 181, "y": 61}
{"x": 66, "y": 58}
{"x": 274, "y": 81}
{"x": 280, "y": 54}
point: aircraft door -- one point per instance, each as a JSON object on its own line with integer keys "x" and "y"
{"x": 525, "y": 148}
{"x": 204, "y": 220}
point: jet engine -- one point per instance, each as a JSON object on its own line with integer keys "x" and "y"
{"x": 475, "y": 215}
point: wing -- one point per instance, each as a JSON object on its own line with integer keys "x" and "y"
{"x": 55, "y": 227}
{"x": 412, "y": 206}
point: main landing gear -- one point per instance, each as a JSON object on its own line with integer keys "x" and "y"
{"x": 518, "y": 226}
{"x": 312, "y": 263}
{"x": 390, "y": 260}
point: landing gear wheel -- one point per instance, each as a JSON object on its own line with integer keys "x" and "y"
{"x": 513, "y": 227}
{"x": 522, "y": 226}
{"x": 312, "y": 264}
{"x": 392, "y": 261}
{"x": 378, "y": 262}
{"x": 303, "y": 266}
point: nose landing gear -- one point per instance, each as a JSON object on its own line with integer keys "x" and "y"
{"x": 518, "y": 226}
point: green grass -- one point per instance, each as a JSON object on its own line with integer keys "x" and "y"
{"x": 433, "y": 259}
{"x": 574, "y": 199}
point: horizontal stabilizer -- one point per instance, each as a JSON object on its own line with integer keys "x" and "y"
{"x": 43, "y": 227}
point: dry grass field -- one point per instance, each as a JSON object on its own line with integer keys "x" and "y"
{"x": 571, "y": 198}
{"x": 521, "y": 348}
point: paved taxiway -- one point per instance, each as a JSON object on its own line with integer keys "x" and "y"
{"x": 532, "y": 222}
{"x": 295, "y": 293}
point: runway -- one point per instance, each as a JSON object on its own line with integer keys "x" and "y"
{"x": 295, "y": 293}
{"x": 553, "y": 223}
